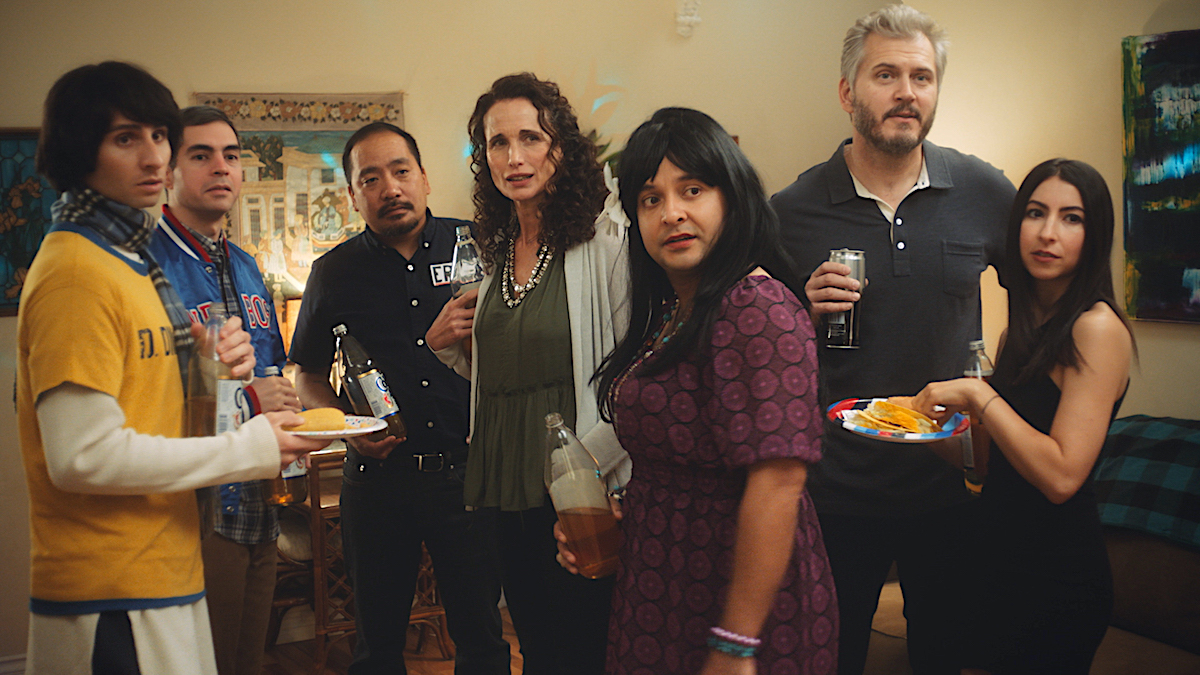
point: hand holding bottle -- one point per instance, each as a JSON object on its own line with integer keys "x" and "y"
{"x": 377, "y": 449}
{"x": 454, "y": 322}
{"x": 274, "y": 393}
{"x": 233, "y": 348}
{"x": 565, "y": 557}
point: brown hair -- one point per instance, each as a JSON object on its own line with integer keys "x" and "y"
{"x": 574, "y": 195}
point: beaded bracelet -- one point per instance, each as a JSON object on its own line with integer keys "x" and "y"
{"x": 737, "y": 639}
{"x": 731, "y": 648}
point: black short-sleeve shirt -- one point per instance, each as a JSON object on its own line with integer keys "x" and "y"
{"x": 387, "y": 304}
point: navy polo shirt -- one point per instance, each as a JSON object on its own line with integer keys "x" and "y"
{"x": 388, "y": 303}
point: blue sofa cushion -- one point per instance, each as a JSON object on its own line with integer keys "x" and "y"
{"x": 1148, "y": 477}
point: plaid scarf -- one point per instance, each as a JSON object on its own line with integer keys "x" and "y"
{"x": 131, "y": 228}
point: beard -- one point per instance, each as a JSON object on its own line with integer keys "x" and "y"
{"x": 898, "y": 145}
{"x": 387, "y": 225}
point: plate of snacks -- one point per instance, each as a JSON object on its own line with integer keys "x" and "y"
{"x": 333, "y": 423}
{"x": 884, "y": 420}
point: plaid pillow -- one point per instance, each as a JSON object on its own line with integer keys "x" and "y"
{"x": 1148, "y": 477}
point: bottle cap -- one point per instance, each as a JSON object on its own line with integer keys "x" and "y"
{"x": 462, "y": 230}
{"x": 553, "y": 419}
{"x": 976, "y": 344}
{"x": 339, "y": 330}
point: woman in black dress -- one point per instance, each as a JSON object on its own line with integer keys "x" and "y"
{"x": 1062, "y": 371}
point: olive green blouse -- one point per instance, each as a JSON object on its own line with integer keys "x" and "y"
{"x": 524, "y": 373}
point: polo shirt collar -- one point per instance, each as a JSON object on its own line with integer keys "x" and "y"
{"x": 841, "y": 182}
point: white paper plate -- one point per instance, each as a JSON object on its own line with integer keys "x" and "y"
{"x": 355, "y": 426}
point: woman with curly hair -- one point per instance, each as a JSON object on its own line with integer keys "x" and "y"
{"x": 556, "y": 275}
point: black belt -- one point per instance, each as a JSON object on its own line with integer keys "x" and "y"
{"x": 426, "y": 463}
{"x": 422, "y": 463}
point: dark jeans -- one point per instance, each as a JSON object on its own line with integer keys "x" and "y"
{"x": 931, "y": 556}
{"x": 561, "y": 619}
{"x": 385, "y": 517}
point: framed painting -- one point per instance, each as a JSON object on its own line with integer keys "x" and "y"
{"x": 25, "y": 199}
{"x": 1162, "y": 176}
{"x": 294, "y": 206}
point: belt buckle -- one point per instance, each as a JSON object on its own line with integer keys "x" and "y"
{"x": 421, "y": 463}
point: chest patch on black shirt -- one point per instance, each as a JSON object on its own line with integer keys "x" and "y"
{"x": 440, "y": 272}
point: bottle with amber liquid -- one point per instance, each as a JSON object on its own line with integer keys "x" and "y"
{"x": 581, "y": 501}
{"x": 291, "y": 485}
{"x": 979, "y": 366}
{"x": 364, "y": 383}
{"x": 214, "y": 396}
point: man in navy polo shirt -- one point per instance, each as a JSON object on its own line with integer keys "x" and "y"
{"x": 930, "y": 220}
{"x": 387, "y": 285}
{"x": 208, "y": 271}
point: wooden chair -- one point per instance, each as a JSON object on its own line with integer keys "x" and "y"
{"x": 294, "y": 568}
{"x": 427, "y": 612}
{"x": 333, "y": 600}
{"x": 332, "y": 597}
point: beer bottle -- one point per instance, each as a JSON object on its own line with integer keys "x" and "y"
{"x": 581, "y": 501}
{"x": 214, "y": 396}
{"x": 291, "y": 485}
{"x": 979, "y": 366}
{"x": 368, "y": 391}
{"x": 467, "y": 271}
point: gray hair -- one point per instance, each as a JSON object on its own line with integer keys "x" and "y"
{"x": 892, "y": 21}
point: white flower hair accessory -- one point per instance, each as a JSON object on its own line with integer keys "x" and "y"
{"x": 612, "y": 210}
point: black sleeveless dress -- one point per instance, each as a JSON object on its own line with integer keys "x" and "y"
{"x": 1047, "y": 589}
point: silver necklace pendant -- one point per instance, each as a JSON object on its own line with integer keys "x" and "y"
{"x": 509, "y": 281}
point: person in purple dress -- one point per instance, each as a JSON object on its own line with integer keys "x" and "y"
{"x": 713, "y": 394}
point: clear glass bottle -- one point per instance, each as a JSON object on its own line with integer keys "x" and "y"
{"x": 979, "y": 366}
{"x": 366, "y": 387}
{"x": 291, "y": 485}
{"x": 466, "y": 270}
{"x": 214, "y": 396}
{"x": 581, "y": 501}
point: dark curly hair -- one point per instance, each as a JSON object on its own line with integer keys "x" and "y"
{"x": 574, "y": 195}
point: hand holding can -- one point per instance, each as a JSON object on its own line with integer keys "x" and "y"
{"x": 842, "y": 327}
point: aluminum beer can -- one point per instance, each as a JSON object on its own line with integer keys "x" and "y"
{"x": 842, "y": 327}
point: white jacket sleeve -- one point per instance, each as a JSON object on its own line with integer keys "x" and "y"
{"x": 88, "y": 449}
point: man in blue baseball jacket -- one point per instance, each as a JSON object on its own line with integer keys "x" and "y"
{"x": 207, "y": 270}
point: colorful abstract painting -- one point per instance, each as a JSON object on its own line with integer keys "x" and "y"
{"x": 294, "y": 207}
{"x": 1162, "y": 176}
{"x": 25, "y": 200}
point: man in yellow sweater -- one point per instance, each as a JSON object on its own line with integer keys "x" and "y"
{"x": 103, "y": 341}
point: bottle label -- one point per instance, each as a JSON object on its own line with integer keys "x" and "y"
{"x": 295, "y": 469}
{"x": 376, "y": 390}
{"x": 233, "y": 407}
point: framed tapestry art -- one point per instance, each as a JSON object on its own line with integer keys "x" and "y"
{"x": 25, "y": 200}
{"x": 1162, "y": 176}
{"x": 294, "y": 206}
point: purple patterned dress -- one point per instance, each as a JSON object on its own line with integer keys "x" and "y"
{"x": 749, "y": 396}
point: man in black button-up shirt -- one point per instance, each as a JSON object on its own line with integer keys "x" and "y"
{"x": 387, "y": 285}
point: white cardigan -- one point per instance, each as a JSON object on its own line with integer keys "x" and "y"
{"x": 597, "y": 274}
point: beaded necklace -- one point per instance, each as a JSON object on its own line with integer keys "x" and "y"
{"x": 651, "y": 344}
{"x": 509, "y": 277}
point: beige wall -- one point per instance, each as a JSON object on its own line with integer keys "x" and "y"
{"x": 1028, "y": 79}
